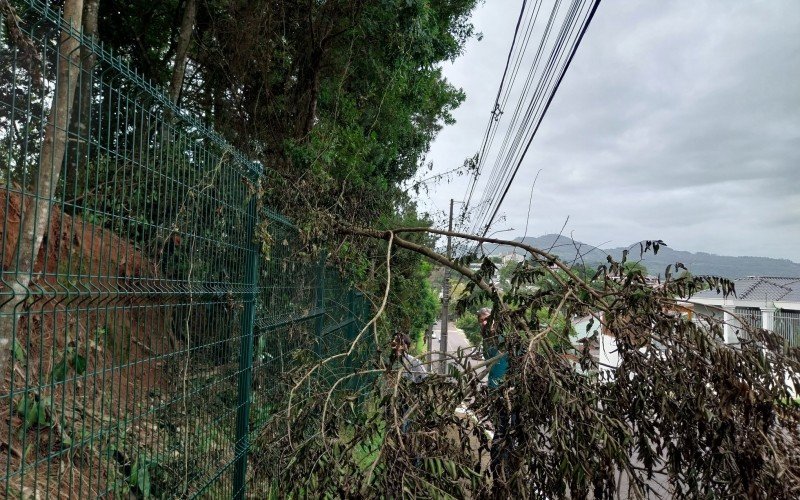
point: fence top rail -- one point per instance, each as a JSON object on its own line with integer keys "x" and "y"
{"x": 106, "y": 55}
{"x": 277, "y": 217}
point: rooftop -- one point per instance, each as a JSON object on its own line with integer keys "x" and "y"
{"x": 769, "y": 288}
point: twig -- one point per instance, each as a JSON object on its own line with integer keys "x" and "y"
{"x": 532, "y": 250}
{"x": 353, "y": 344}
{"x": 330, "y": 394}
{"x": 141, "y": 344}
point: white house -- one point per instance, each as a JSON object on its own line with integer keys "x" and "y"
{"x": 771, "y": 303}
{"x": 764, "y": 302}
{"x": 603, "y": 345}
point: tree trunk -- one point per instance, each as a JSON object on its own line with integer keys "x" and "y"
{"x": 184, "y": 38}
{"x": 309, "y": 115}
{"x": 36, "y": 209}
{"x": 82, "y": 103}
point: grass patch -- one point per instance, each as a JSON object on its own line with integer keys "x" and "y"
{"x": 420, "y": 347}
{"x": 366, "y": 452}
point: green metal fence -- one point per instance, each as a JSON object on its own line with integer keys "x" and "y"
{"x": 150, "y": 307}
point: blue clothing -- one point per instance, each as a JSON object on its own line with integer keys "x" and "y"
{"x": 498, "y": 370}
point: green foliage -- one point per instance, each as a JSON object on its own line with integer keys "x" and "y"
{"x": 558, "y": 337}
{"x": 420, "y": 347}
{"x": 19, "y": 352}
{"x": 506, "y": 271}
{"x": 414, "y": 305}
{"x": 142, "y": 32}
{"x": 429, "y": 305}
{"x": 139, "y": 478}
{"x": 560, "y": 330}
{"x": 340, "y": 98}
{"x": 71, "y": 360}
{"x": 33, "y": 410}
{"x": 472, "y": 328}
{"x": 632, "y": 266}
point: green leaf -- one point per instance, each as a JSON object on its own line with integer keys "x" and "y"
{"x": 144, "y": 482}
{"x": 22, "y": 405}
{"x": 28, "y": 410}
{"x": 59, "y": 373}
{"x": 79, "y": 363}
{"x": 41, "y": 412}
{"x": 19, "y": 352}
{"x": 133, "y": 480}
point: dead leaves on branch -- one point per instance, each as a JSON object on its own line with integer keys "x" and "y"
{"x": 682, "y": 414}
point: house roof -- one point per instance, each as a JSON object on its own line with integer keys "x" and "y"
{"x": 764, "y": 288}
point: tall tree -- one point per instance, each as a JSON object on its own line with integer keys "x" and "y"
{"x": 79, "y": 123}
{"x": 35, "y": 210}
{"x": 182, "y": 49}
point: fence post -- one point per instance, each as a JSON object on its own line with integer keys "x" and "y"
{"x": 320, "y": 305}
{"x": 351, "y": 315}
{"x": 242, "y": 444}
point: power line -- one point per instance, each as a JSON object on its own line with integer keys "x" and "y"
{"x": 496, "y": 109}
{"x": 498, "y": 169}
{"x": 509, "y": 150}
{"x": 542, "y": 81}
{"x": 584, "y": 28}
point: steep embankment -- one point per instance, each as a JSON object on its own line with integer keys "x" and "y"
{"x": 83, "y": 356}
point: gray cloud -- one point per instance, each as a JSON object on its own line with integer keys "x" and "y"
{"x": 677, "y": 120}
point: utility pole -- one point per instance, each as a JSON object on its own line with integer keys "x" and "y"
{"x": 431, "y": 363}
{"x": 446, "y": 299}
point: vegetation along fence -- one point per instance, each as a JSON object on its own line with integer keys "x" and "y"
{"x": 149, "y": 304}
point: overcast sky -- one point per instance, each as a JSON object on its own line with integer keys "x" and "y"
{"x": 677, "y": 120}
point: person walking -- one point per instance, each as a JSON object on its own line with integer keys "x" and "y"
{"x": 499, "y": 450}
{"x": 491, "y": 348}
{"x": 414, "y": 371}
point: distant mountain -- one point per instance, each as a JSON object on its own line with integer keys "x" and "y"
{"x": 699, "y": 263}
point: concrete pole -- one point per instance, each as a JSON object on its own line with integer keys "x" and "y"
{"x": 729, "y": 332}
{"x": 446, "y": 299}
{"x": 768, "y": 317}
{"x": 429, "y": 354}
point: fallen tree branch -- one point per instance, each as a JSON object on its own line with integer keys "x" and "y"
{"x": 427, "y": 252}
{"x": 355, "y": 341}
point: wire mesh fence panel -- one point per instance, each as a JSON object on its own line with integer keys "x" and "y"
{"x": 787, "y": 326}
{"x": 145, "y": 331}
{"x": 749, "y": 315}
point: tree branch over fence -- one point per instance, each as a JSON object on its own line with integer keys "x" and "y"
{"x": 667, "y": 419}
{"x": 423, "y": 250}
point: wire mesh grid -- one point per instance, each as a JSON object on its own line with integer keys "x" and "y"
{"x": 146, "y": 330}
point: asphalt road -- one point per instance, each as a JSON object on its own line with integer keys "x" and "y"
{"x": 456, "y": 339}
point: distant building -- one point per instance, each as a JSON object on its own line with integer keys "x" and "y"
{"x": 602, "y": 344}
{"x": 763, "y": 302}
{"x": 511, "y": 257}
